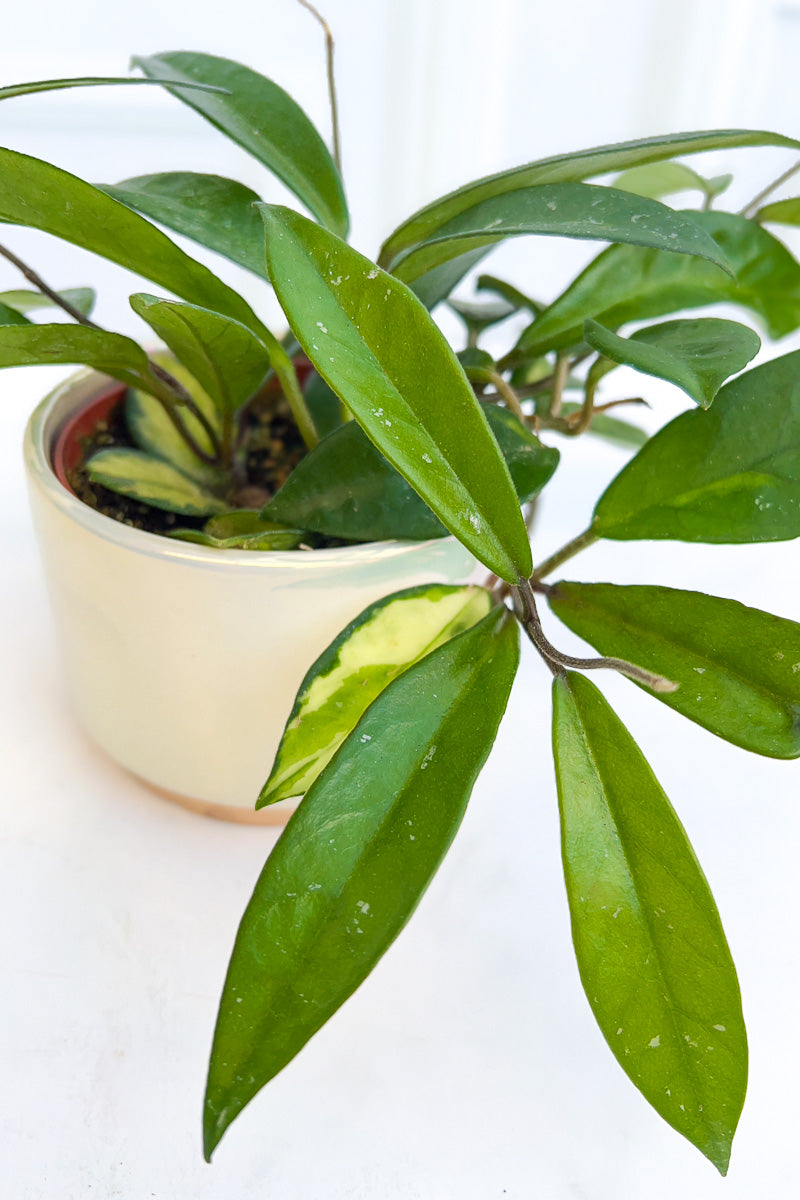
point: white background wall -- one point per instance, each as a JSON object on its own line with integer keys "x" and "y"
{"x": 432, "y": 95}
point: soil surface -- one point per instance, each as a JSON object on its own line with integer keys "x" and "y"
{"x": 273, "y": 448}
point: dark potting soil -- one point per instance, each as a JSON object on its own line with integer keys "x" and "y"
{"x": 273, "y": 449}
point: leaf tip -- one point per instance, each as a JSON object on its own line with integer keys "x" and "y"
{"x": 215, "y": 1123}
{"x": 266, "y": 795}
{"x": 718, "y": 1153}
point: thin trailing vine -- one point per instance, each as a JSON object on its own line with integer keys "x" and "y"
{"x": 332, "y": 96}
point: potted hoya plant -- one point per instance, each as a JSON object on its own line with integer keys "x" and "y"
{"x": 360, "y": 442}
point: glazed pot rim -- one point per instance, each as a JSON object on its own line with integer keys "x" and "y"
{"x": 43, "y": 427}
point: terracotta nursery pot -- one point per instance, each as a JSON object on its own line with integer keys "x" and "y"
{"x": 182, "y": 661}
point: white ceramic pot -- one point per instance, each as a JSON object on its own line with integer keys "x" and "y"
{"x": 183, "y": 661}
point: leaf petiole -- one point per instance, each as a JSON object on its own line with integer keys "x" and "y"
{"x": 750, "y": 208}
{"x": 558, "y": 662}
{"x": 560, "y": 556}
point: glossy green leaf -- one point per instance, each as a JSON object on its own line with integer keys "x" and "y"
{"x": 227, "y": 360}
{"x": 382, "y": 642}
{"x": 576, "y": 210}
{"x": 25, "y": 301}
{"x": 667, "y": 178}
{"x": 216, "y": 212}
{"x": 241, "y": 522}
{"x": 323, "y": 404}
{"x": 241, "y": 529}
{"x": 534, "y": 370}
{"x": 42, "y": 196}
{"x": 530, "y": 463}
{"x": 478, "y": 317}
{"x": 111, "y": 353}
{"x": 622, "y": 433}
{"x": 57, "y": 85}
{"x": 265, "y": 121}
{"x": 346, "y": 488}
{"x": 355, "y": 859}
{"x": 10, "y": 316}
{"x": 511, "y": 294}
{"x": 628, "y": 283}
{"x": 567, "y": 168}
{"x": 479, "y": 366}
{"x": 153, "y": 481}
{"x": 698, "y": 356}
{"x": 651, "y": 950}
{"x": 781, "y": 212}
{"x": 738, "y": 668}
{"x": 437, "y": 284}
{"x": 379, "y": 350}
{"x": 731, "y": 474}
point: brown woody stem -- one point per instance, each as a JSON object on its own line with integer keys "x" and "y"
{"x": 46, "y": 290}
{"x": 558, "y": 662}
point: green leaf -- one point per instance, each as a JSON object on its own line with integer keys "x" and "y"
{"x": 227, "y": 360}
{"x": 511, "y": 294}
{"x": 323, "y": 404}
{"x": 241, "y": 522}
{"x": 10, "y": 316}
{"x": 265, "y": 121}
{"x": 436, "y": 285}
{"x": 567, "y": 168}
{"x": 738, "y": 668}
{"x": 56, "y": 85}
{"x": 39, "y": 195}
{"x": 628, "y": 283}
{"x": 667, "y": 178}
{"x": 781, "y": 212}
{"x": 478, "y": 317}
{"x": 216, "y": 212}
{"x": 111, "y": 353}
{"x": 241, "y": 529}
{"x": 382, "y": 642}
{"x": 651, "y": 950}
{"x": 611, "y": 428}
{"x": 153, "y": 481}
{"x": 698, "y": 356}
{"x": 731, "y": 474}
{"x": 479, "y": 366}
{"x": 379, "y": 350}
{"x": 345, "y": 488}
{"x": 355, "y": 860}
{"x": 530, "y": 463}
{"x": 26, "y": 301}
{"x": 576, "y": 210}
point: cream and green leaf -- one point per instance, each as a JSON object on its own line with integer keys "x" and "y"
{"x": 152, "y": 481}
{"x": 381, "y": 643}
{"x": 154, "y": 433}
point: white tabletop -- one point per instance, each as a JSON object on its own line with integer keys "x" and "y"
{"x": 468, "y": 1066}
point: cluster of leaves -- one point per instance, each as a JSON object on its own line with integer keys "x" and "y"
{"x": 409, "y": 439}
